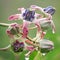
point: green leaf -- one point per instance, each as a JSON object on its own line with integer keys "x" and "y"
{"x": 33, "y": 54}
{"x": 22, "y": 55}
{"x": 38, "y": 56}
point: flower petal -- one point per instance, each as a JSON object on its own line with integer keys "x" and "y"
{"x": 14, "y": 17}
{"x": 25, "y": 32}
{"x": 30, "y": 48}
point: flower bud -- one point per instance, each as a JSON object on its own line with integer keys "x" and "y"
{"x": 45, "y": 25}
{"x": 46, "y": 45}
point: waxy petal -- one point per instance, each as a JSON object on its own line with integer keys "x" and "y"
{"x": 25, "y": 32}
{"x": 30, "y": 48}
{"x": 14, "y": 17}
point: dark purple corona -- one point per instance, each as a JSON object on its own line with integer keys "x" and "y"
{"x": 17, "y": 46}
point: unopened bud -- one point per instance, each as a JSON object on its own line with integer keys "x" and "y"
{"x": 46, "y": 45}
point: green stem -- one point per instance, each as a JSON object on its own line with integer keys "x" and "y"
{"x": 16, "y": 56}
{"x": 4, "y": 24}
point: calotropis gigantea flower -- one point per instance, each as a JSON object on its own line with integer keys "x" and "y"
{"x": 49, "y": 11}
{"x": 27, "y": 16}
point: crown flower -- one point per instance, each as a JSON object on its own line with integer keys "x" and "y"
{"x": 19, "y": 33}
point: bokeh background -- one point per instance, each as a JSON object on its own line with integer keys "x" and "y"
{"x": 8, "y": 7}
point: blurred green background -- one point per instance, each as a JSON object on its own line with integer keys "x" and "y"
{"x": 9, "y": 7}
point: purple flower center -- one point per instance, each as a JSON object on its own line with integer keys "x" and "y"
{"x": 17, "y": 46}
{"x": 28, "y": 15}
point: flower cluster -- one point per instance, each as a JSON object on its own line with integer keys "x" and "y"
{"x": 19, "y": 32}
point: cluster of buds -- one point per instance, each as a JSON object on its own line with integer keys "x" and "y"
{"x": 41, "y": 22}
